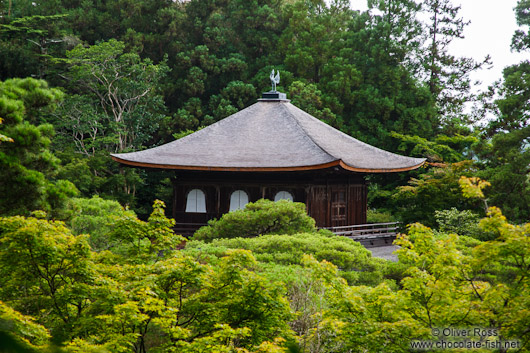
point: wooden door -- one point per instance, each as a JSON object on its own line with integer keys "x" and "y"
{"x": 339, "y": 206}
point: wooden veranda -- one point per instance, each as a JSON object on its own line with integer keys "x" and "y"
{"x": 369, "y": 235}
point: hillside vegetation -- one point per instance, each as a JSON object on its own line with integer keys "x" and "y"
{"x": 88, "y": 258}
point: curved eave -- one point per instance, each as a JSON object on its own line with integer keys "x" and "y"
{"x": 380, "y": 170}
{"x": 265, "y": 169}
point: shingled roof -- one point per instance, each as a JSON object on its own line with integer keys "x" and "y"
{"x": 271, "y": 135}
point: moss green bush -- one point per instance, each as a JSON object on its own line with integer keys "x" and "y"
{"x": 355, "y": 262}
{"x": 374, "y": 216}
{"x": 95, "y": 216}
{"x": 463, "y": 223}
{"x": 258, "y": 218}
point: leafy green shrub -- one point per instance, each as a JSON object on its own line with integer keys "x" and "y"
{"x": 155, "y": 302}
{"x": 394, "y": 272}
{"x": 95, "y": 216}
{"x": 355, "y": 262}
{"x": 19, "y": 333}
{"x": 145, "y": 241}
{"x": 373, "y": 216}
{"x": 462, "y": 223}
{"x": 51, "y": 264}
{"x": 464, "y": 244}
{"x": 258, "y": 218}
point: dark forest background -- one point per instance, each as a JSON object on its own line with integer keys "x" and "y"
{"x": 82, "y": 79}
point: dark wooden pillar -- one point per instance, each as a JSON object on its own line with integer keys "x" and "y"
{"x": 174, "y": 208}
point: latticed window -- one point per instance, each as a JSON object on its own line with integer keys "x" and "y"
{"x": 238, "y": 200}
{"x": 196, "y": 201}
{"x": 283, "y": 195}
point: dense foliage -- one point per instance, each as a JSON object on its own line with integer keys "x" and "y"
{"x": 138, "y": 292}
{"x": 259, "y": 294}
{"x": 95, "y": 216}
{"x": 28, "y": 168}
{"x": 88, "y": 265}
{"x": 355, "y": 262}
{"x": 258, "y": 218}
{"x": 384, "y": 76}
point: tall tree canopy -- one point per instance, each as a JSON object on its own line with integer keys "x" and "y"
{"x": 28, "y": 169}
{"x": 507, "y": 153}
{"x": 137, "y": 74}
{"x": 447, "y": 75}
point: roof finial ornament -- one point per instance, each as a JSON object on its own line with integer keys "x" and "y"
{"x": 275, "y": 79}
{"x": 274, "y": 95}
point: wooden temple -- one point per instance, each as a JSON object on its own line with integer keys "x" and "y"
{"x": 271, "y": 150}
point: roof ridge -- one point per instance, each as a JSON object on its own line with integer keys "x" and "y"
{"x": 294, "y": 117}
{"x": 317, "y": 120}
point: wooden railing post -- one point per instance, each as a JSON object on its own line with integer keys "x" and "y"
{"x": 374, "y": 234}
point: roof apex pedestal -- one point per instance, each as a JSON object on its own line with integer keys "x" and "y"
{"x": 273, "y": 96}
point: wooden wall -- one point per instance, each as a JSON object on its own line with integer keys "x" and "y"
{"x": 332, "y": 198}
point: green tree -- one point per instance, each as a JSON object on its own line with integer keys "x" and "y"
{"x": 233, "y": 98}
{"x": 140, "y": 295}
{"x": 506, "y": 167}
{"x": 503, "y": 264}
{"x": 118, "y": 97}
{"x": 180, "y": 305}
{"x": 358, "y": 317}
{"x": 31, "y": 42}
{"x": 114, "y": 106}
{"x": 443, "y": 287}
{"x": 228, "y": 46}
{"x": 306, "y": 57}
{"x": 442, "y": 148}
{"x": 511, "y": 108}
{"x": 506, "y": 153}
{"x": 388, "y": 97}
{"x": 437, "y": 189}
{"x": 28, "y": 169}
{"x": 400, "y": 28}
{"x": 447, "y": 76}
{"x": 258, "y": 218}
{"x": 19, "y": 333}
{"x": 43, "y": 266}
{"x": 309, "y": 98}
{"x": 459, "y": 222}
{"x": 95, "y": 216}
{"x": 143, "y": 241}
{"x": 521, "y": 37}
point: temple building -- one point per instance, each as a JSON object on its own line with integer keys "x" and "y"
{"x": 270, "y": 150}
